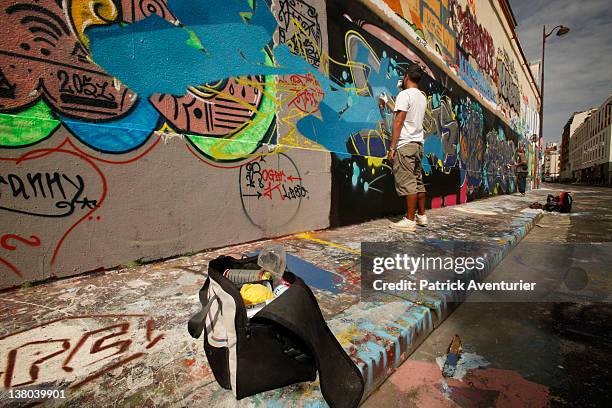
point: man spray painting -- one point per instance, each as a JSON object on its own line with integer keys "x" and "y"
{"x": 406, "y": 150}
{"x": 521, "y": 169}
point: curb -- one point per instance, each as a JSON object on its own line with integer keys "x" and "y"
{"x": 411, "y": 336}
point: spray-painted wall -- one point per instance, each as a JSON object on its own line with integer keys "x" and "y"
{"x": 143, "y": 129}
{"x": 476, "y": 41}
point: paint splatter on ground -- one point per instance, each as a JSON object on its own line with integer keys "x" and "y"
{"x": 468, "y": 361}
{"x": 421, "y": 384}
{"x": 140, "y": 313}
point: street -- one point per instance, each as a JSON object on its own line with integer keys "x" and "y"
{"x": 550, "y": 346}
{"x": 528, "y": 352}
{"x": 119, "y": 337}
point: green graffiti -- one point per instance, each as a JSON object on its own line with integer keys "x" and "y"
{"x": 194, "y": 41}
{"x": 28, "y": 126}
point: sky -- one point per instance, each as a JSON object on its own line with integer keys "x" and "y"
{"x": 578, "y": 65}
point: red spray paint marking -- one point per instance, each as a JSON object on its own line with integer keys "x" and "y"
{"x": 40, "y": 153}
{"x": 4, "y": 243}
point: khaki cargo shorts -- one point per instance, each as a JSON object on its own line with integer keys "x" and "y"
{"x": 408, "y": 169}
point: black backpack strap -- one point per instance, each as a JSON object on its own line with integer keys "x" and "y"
{"x": 198, "y": 320}
{"x": 297, "y": 310}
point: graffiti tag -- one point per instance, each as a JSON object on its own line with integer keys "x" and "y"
{"x": 271, "y": 184}
{"x": 51, "y": 194}
{"x": 76, "y": 349}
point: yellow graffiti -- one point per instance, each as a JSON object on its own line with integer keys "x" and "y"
{"x": 290, "y": 119}
{"x": 356, "y": 64}
{"x": 345, "y": 337}
{"x": 366, "y": 136}
{"x": 376, "y": 162}
{"x": 87, "y": 13}
{"x": 309, "y": 237}
{"x": 260, "y": 116}
{"x": 167, "y": 133}
{"x": 291, "y": 136}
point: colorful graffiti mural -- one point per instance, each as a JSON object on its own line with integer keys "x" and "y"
{"x": 285, "y": 103}
{"x": 507, "y": 82}
{"x": 472, "y": 37}
{"x": 451, "y": 28}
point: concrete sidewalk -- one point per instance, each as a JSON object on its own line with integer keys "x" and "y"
{"x": 549, "y": 348}
{"x": 119, "y": 337}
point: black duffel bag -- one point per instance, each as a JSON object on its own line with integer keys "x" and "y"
{"x": 284, "y": 343}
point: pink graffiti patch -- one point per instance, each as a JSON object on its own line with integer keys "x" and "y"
{"x": 463, "y": 192}
{"x": 480, "y": 387}
{"x": 450, "y": 199}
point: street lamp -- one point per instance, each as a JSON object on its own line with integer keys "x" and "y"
{"x": 561, "y": 30}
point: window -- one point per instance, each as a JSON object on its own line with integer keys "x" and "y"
{"x": 598, "y": 121}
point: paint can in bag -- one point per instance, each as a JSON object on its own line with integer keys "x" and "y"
{"x": 251, "y": 310}
{"x": 241, "y": 276}
{"x": 282, "y": 286}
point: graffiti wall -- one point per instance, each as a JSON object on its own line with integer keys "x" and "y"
{"x": 143, "y": 129}
{"x": 474, "y": 40}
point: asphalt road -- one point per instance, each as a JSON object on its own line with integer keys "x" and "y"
{"x": 551, "y": 347}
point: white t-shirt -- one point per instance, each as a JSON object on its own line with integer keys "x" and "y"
{"x": 413, "y": 102}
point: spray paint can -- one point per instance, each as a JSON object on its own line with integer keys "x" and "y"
{"x": 282, "y": 286}
{"x": 241, "y": 276}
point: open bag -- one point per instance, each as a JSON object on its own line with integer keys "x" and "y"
{"x": 561, "y": 203}
{"x": 284, "y": 343}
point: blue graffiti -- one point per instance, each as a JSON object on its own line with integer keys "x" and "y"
{"x": 475, "y": 79}
{"x": 156, "y": 57}
{"x": 434, "y": 150}
{"x": 356, "y": 171}
{"x": 471, "y": 152}
{"x": 120, "y": 136}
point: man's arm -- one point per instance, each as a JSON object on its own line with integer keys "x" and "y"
{"x": 521, "y": 160}
{"x": 398, "y": 122}
{"x": 385, "y": 101}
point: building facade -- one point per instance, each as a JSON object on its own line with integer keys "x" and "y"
{"x": 139, "y": 130}
{"x": 570, "y": 127}
{"x": 590, "y": 147}
{"x": 551, "y": 162}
